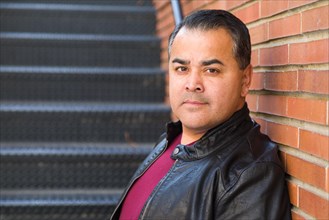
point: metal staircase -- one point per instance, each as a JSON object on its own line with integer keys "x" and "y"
{"x": 81, "y": 104}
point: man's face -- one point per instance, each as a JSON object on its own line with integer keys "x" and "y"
{"x": 206, "y": 85}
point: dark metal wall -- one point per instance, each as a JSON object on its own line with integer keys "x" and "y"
{"x": 81, "y": 104}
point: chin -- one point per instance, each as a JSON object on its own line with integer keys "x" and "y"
{"x": 197, "y": 127}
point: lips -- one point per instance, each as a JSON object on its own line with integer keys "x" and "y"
{"x": 194, "y": 102}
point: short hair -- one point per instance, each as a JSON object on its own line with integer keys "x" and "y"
{"x": 214, "y": 19}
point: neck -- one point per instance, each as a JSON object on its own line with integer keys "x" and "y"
{"x": 191, "y": 136}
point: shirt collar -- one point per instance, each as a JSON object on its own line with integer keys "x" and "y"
{"x": 215, "y": 139}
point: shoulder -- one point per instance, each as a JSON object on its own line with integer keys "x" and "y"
{"x": 255, "y": 155}
{"x": 262, "y": 148}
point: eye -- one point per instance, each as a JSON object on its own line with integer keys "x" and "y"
{"x": 213, "y": 70}
{"x": 181, "y": 69}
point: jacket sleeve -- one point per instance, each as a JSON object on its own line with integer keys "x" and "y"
{"x": 259, "y": 192}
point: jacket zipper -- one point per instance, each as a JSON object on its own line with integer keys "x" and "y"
{"x": 133, "y": 181}
{"x": 156, "y": 189}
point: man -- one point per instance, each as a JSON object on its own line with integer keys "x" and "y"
{"x": 213, "y": 163}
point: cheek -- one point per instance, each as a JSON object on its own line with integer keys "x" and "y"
{"x": 175, "y": 86}
{"x": 224, "y": 93}
{"x": 173, "y": 93}
{"x": 171, "y": 90}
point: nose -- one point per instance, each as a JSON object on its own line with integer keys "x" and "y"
{"x": 194, "y": 83}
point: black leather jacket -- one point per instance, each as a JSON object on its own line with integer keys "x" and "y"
{"x": 232, "y": 172}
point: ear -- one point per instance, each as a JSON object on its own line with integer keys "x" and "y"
{"x": 246, "y": 80}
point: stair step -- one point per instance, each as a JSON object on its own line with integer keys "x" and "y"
{"x": 58, "y": 204}
{"x": 69, "y": 165}
{"x": 76, "y": 18}
{"x": 65, "y": 121}
{"x": 89, "y": 2}
{"x": 39, "y": 197}
{"x": 74, "y": 149}
{"x": 82, "y": 84}
{"x": 81, "y": 96}
{"x": 79, "y": 50}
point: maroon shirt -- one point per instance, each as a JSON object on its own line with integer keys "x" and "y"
{"x": 143, "y": 187}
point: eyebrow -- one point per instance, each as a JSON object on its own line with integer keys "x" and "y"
{"x": 210, "y": 62}
{"x": 203, "y": 63}
{"x": 181, "y": 61}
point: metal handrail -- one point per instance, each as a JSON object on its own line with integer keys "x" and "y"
{"x": 177, "y": 11}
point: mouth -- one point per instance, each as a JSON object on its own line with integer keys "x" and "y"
{"x": 194, "y": 102}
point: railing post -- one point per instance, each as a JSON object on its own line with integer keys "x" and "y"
{"x": 177, "y": 11}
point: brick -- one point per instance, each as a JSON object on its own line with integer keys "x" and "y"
{"x": 283, "y": 134}
{"x": 274, "y": 56}
{"x": 315, "y": 19}
{"x": 257, "y": 82}
{"x": 164, "y": 64}
{"x": 165, "y": 21}
{"x": 296, "y": 216}
{"x": 281, "y": 81}
{"x": 272, "y": 104}
{"x": 259, "y": 33}
{"x": 293, "y": 193}
{"x": 286, "y": 26}
{"x": 164, "y": 60}
{"x": 313, "y": 81}
{"x": 234, "y": 4}
{"x": 187, "y": 8}
{"x": 213, "y": 6}
{"x": 164, "y": 35}
{"x": 164, "y": 46}
{"x": 269, "y": 8}
{"x": 198, "y": 4}
{"x": 314, "y": 143}
{"x": 254, "y": 58}
{"x": 248, "y": 14}
{"x": 298, "y": 3}
{"x": 313, "y": 204}
{"x": 262, "y": 123}
{"x": 217, "y": 5}
{"x": 164, "y": 53}
{"x": 164, "y": 38}
{"x": 309, "y": 110}
{"x": 309, "y": 52}
{"x": 160, "y": 4}
{"x": 307, "y": 172}
{"x": 327, "y": 180}
{"x": 327, "y": 123}
{"x": 164, "y": 12}
{"x": 252, "y": 101}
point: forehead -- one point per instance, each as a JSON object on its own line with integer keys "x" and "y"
{"x": 217, "y": 34}
{"x": 202, "y": 43}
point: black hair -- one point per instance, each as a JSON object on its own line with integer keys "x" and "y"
{"x": 214, "y": 19}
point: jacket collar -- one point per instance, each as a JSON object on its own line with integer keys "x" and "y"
{"x": 215, "y": 139}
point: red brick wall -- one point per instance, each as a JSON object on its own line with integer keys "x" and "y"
{"x": 289, "y": 93}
